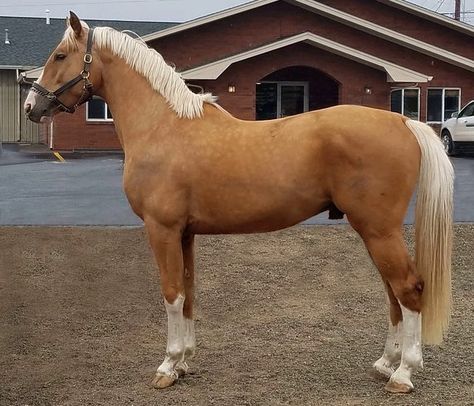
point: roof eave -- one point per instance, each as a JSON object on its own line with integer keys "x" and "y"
{"x": 207, "y": 19}
{"x": 14, "y": 67}
{"x": 309, "y": 5}
{"x": 431, "y": 15}
{"x": 395, "y": 73}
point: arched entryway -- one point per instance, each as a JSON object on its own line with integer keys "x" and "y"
{"x": 294, "y": 90}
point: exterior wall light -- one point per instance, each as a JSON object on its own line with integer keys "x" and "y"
{"x": 231, "y": 88}
{"x": 367, "y": 90}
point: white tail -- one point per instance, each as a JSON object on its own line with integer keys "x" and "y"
{"x": 434, "y": 231}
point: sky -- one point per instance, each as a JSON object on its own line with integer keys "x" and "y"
{"x": 164, "y": 10}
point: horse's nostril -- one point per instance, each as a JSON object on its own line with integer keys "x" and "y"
{"x": 27, "y": 108}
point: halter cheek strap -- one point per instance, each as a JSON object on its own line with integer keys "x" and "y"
{"x": 87, "y": 90}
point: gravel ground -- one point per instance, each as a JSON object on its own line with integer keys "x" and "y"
{"x": 288, "y": 318}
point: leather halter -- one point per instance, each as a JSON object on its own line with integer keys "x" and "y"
{"x": 87, "y": 90}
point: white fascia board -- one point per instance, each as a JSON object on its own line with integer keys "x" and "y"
{"x": 14, "y": 67}
{"x": 341, "y": 17}
{"x": 33, "y": 73}
{"x": 395, "y": 73}
{"x": 431, "y": 15}
{"x": 207, "y": 19}
{"x": 400, "y": 4}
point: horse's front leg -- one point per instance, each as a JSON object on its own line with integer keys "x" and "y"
{"x": 189, "y": 336}
{"x": 166, "y": 245}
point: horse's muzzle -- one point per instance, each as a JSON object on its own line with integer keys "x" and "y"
{"x": 37, "y": 109}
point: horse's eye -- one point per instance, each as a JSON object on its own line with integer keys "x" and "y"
{"x": 59, "y": 57}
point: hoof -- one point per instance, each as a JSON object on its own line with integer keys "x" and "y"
{"x": 162, "y": 381}
{"x": 396, "y": 387}
{"x": 381, "y": 370}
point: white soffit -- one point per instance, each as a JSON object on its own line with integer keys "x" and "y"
{"x": 346, "y": 19}
{"x": 395, "y": 73}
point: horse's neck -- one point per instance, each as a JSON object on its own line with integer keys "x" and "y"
{"x": 136, "y": 107}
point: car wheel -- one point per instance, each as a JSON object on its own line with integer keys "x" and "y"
{"x": 447, "y": 143}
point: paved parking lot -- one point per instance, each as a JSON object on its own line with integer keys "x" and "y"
{"x": 89, "y": 192}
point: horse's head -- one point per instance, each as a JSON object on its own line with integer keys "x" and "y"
{"x": 70, "y": 76}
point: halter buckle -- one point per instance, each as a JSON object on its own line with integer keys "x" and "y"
{"x": 85, "y": 74}
{"x": 88, "y": 58}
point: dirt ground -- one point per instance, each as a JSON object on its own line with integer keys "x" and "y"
{"x": 288, "y": 318}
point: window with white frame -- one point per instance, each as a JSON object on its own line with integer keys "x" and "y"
{"x": 442, "y": 103}
{"x": 97, "y": 110}
{"x": 406, "y": 102}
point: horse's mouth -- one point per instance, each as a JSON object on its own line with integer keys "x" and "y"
{"x": 40, "y": 117}
{"x": 37, "y": 118}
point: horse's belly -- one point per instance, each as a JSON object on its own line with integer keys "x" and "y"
{"x": 250, "y": 215}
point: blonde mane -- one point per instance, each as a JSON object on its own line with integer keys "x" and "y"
{"x": 151, "y": 65}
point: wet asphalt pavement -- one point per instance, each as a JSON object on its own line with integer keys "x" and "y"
{"x": 88, "y": 191}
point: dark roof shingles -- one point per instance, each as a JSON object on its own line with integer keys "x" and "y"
{"x": 32, "y": 40}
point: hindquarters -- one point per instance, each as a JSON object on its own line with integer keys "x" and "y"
{"x": 374, "y": 163}
{"x": 379, "y": 165}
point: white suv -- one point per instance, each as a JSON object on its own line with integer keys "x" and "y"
{"x": 457, "y": 133}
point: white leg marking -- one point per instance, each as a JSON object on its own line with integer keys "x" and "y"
{"x": 411, "y": 351}
{"x": 189, "y": 346}
{"x": 175, "y": 344}
{"x": 385, "y": 365}
{"x": 189, "y": 339}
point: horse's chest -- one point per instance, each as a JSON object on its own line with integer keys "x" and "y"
{"x": 151, "y": 191}
{"x": 137, "y": 187}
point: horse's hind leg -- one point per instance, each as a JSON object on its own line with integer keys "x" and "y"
{"x": 167, "y": 246}
{"x": 390, "y": 255}
{"x": 385, "y": 365}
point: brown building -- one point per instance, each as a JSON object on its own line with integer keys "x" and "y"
{"x": 270, "y": 58}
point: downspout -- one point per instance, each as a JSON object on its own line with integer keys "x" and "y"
{"x": 18, "y": 118}
{"x": 51, "y": 132}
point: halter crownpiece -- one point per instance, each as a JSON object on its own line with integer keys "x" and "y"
{"x": 87, "y": 90}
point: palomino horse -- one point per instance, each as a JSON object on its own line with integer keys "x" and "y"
{"x": 191, "y": 168}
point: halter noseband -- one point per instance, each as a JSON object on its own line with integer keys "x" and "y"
{"x": 84, "y": 76}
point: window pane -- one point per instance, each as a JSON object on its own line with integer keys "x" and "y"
{"x": 396, "y": 101}
{"x": 451, "y": 103}
{"x": 96, "y": 109}
{"x": 410, "y": 104}
{"x": 435, "y": 104}
{"x": 109, "y": 114}
{"x": 266, "y": 104}
{"x": 468, "y": 111}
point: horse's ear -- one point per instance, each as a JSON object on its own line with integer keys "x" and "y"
{"x": 75, "y": 24}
